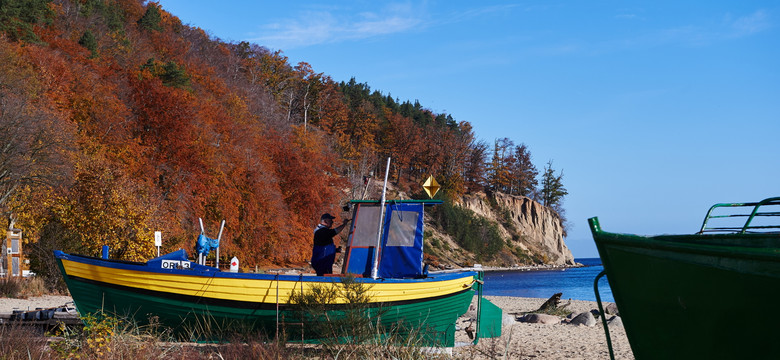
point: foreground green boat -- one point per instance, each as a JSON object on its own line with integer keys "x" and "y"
{"x": 709, "y": 295}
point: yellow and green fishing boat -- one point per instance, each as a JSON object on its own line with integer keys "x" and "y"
{"x": 701, "y": 296}
{"x": 184, "y": 295}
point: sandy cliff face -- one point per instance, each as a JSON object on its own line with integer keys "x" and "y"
{"x": 530, "y": 225}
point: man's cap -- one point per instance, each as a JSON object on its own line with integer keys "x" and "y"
{"x": 327, "y": 216}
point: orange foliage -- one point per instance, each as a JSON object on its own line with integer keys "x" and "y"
{"x": 227, "y": 142}
{"x": 104, "y": 207}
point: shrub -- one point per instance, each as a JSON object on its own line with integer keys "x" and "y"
{"x": 356, "y": 332}
{"x": 473, "y": 233}
{"x": 10, "y": 287}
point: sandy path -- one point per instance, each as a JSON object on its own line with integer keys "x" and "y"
{"x": 47, "y": 301}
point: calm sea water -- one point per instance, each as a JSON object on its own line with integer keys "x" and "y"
{"x": 574, "y": 283}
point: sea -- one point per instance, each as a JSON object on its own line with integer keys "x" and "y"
{"x": 575, "y": 283}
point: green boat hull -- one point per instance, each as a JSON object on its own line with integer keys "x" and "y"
{"x": 694, "y": 296}
{"x": 432, "y": 322}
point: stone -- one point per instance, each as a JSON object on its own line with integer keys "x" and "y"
{"x": 540, "y": 319}
{"x": 585, "y": 318}
{"x": 508, "y": 320}
{"x": 596, "y": 313}
{"x": 615, "y": 321}
{"x": 612, "y": 309}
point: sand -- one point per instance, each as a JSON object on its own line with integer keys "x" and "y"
{"x": 551, "y": 341}
{"x": 47, "y": 301}
{"x": 518, "y": 340}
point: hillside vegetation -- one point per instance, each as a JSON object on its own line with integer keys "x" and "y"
{"x": 117, "y": 120}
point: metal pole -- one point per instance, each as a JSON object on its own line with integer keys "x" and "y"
{"x": 219, "y": 237}
{"x": 603, "y": 314}
{"x": 375, "y": 267}
{"x": 201, "y": 259}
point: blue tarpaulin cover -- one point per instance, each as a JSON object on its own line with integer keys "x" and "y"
{"x": 402, "y": 252}
{"x": 206, "y": 244}
{"x": 401, "y": 245}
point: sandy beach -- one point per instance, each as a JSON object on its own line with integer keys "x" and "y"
{"x": 8, "y": 305}
{"x": 518, "y": 341}
{"x": 546, "y": 341}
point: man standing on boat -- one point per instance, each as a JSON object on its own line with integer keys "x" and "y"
{"x": 324, "y": 251}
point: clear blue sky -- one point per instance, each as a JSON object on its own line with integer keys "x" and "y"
{"x": 654, "y": 110}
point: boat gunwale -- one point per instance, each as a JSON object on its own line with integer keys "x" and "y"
{"x": 211, "y": 272}
{"x": 257, "y": 305}
{"x": 723, "y": 245}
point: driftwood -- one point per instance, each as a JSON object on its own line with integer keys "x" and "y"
{"x": 551, "y": 303}
{"x": 551, "y": 306}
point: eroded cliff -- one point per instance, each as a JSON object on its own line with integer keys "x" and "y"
{"x": 533, "y": 233}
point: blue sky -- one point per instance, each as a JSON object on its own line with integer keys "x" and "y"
{"x": 653, "y": 110}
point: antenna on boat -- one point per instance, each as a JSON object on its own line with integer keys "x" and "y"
{"x": 202, "y": 232}
{"x": 219, "y": 237}
{"x": 375, "y": 267}
{"x": 210, "y": 243}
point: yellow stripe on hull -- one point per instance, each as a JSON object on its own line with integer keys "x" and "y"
{"x": 255, "y": 290}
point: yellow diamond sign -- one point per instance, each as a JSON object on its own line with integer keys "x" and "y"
{"x": 431, "y": 186}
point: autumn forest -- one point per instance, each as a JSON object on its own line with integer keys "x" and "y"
{"x": 117, "y": 120}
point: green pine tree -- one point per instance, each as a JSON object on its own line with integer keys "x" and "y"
{"x": 174, "y": 76}
{"x": 552, "y": 188}
{"x": 89, "y": 41}
{"x": 152, "y": 18}
{"x": 17, "y": 18}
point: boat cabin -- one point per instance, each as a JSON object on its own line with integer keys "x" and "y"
{"x": 389, "y": 240}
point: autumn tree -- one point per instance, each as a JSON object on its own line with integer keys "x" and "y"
{"x": 451, "y": 146}
{"x": 304, "y": 92}
{"x": 523, "y": 173}
{"x": 35, "y": 137}
{"x": 403, "y": 143}
{"x": 500, "y": 163}
{"x": 474, "y": 166}
{"x": 104, "y": 207}
{"x": 168, "y": 124}
{"x": 33, "y": 144}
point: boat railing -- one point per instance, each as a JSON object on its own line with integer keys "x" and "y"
{"x": 749, "y": 226}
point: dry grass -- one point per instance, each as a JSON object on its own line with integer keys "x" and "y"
{"x": 106, "y": 337}
{"x": 355, "y": 336}
{"x": 22, "y": 287}
{"x": 23, "y": 342}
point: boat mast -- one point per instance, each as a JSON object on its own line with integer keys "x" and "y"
{"x": 375, "y": 267}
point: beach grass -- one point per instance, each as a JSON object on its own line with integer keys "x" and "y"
{"x": 22, "y": 287}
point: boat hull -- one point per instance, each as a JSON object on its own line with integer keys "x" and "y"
{"x": 693, "y": 296}
{"x": 211, "y": 304}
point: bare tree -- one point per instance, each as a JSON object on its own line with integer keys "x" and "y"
{"x": 32, "y": 144}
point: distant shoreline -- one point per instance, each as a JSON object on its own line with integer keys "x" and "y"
{"x": 532, "y": 267}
